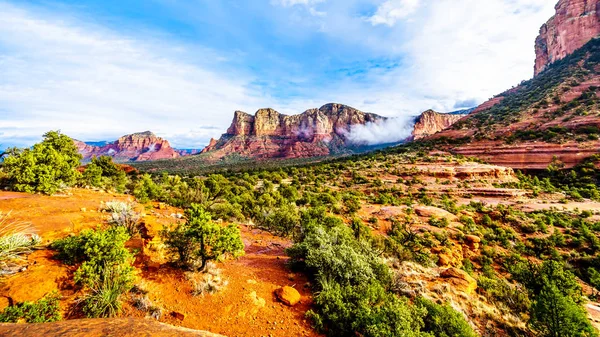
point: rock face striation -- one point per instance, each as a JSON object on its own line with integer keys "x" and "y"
{"x": 141, "y": 146}
{"x": 116, "y": 327}
{"x": 431, "y": 122}
{"x": 269, "y": 134}
{"x": 575, "y": 23}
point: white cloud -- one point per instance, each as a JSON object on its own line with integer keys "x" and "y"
{"x": 58, "y": 73}
{"x": 454, "y": 51}
{"x": 392, "y": 11}
{"x": 391, "y": 130}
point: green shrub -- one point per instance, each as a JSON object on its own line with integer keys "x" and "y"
{"x": 106, "y": 272}
{"x": 146, "y": 189}
{"x": 282, "y": 221}
{"x": 555, "y": 314}
{"x": 556, "y": 308}
{"x": 364, "y": 310}
{"x": 200, "y": 240}
{"x": 439, "y": 222}
{"x": 444, "y": 321}
{"x": 334, "y": 254}
{"x": 44, "y": 310}
{"x": 106, "y": 289}
{"x": 47, "y": 167}
{"x": 94, "y": 247}
{"x": 16, "y": 239}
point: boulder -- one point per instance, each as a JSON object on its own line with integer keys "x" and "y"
{"x": 473, "y": 242}
{"x": 288, "y": 295}
{"x": 444, "y": 260}
{"x": 460, "y": 279}
{"x": 430, "y": 211}
{"x": 4, "y": 302}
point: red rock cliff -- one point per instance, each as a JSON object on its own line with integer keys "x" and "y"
{"x": 135, "y": 147}
{"x": 575, "y": 23}
{"x": 269, "y": 134}
{"x": 431, "y": 122}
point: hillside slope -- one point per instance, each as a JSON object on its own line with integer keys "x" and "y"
{"x": 555, "y": 114}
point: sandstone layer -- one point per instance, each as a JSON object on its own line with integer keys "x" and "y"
{"x": 114, "y": 327}
{"x": 575, "y": 23}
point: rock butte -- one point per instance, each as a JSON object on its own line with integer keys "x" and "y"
{"x": 575, "y": 23}
{"x": 140, "y": 146}
{"x": 269, "y": 134}
{"x": 431, "y": 122}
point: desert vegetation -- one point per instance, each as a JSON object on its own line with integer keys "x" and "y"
{"x": 395, "y": 243}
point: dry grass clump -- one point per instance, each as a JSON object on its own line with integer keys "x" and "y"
{"x": 17, "y": 239}
{"x": 209, "y": 281}
{"x": 116, "y": 206}
{"x": 141, "y": 301}
{"x": 123, "y": 215}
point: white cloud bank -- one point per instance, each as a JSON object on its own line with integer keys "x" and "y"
{"x": 392, "y": 11}
{"x": 88, "y": 81}
{"x": 391, "y": 130}
{"x": 59, "y": 72}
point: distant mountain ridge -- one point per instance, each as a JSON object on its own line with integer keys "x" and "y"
{"x": 141, "y": 146}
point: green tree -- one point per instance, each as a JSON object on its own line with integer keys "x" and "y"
{"x": 556, "y": 308}
{"x": 555, "y": 314}
{"x": 199, "y": 239}
{"x": 102, "y": 172}
{"x": 47, "y": 167}
{"x": 444, "y": 321}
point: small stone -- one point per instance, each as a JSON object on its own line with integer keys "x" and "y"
{"x": 288, "y": 295}
{"x": 178, "y": 315}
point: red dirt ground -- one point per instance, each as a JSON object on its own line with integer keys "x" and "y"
{"x": 246, "y": 307}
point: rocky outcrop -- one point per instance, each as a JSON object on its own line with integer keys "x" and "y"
{"x": 575, "y": 23}
{"x": 529, "y": 155}
{"x": 460, "y": 280}
{"x": 211, "y": 145}
{"x": 141, "y": 146}
{"x": 117, "y": 327}
{"x": 269, "y": 134}
{"x": 431, "y": 122}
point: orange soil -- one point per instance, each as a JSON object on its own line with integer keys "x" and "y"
{"x": 246, "y": 307}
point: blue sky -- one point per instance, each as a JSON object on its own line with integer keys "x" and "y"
{"x": 98, "y": 69}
